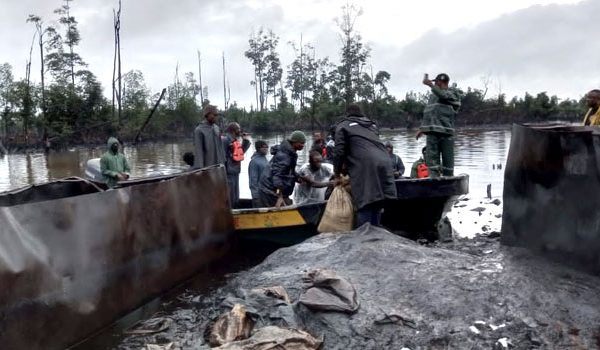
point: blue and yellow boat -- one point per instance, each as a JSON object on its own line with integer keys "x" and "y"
{"x": 286, "y": 226}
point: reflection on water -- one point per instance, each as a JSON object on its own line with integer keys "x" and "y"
{"x": 477, "y": 153}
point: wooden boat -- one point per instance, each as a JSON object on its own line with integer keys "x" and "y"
{"x": 421, "y": 208}
{"x": 551, "y": 186}
{"x": 285, "y": 226}
{"x": 74, "y": 256}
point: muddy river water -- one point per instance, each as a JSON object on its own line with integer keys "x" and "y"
{"x": 477, "y": 153}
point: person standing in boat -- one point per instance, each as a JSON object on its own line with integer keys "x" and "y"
{"x": 319, "y": 145}
{"x": 234, "y": 155}
{"x": 397, "y": 164}
{"x": 278, "y": 181}
{"x": 314, "y": 180}
{"x": 419, "y": 168}
{"x": 208, "y": 148}
{"x": 357, "y": 145}
{"x": 592, "y": 117}
{"x": 113, "y": 165}
{"x": 258, "y": 164}
{"x": 438, "y": 125}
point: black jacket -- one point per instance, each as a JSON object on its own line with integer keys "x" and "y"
{"x": 281, "y": 173}
{"x": 368, "y": 163}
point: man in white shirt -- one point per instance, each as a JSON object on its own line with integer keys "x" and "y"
{"x": 314, "y": 180}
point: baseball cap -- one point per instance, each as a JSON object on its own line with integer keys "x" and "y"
{"x": 442, "y": 77}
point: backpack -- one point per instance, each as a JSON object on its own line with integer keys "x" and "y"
{"x": 422, "y": 171}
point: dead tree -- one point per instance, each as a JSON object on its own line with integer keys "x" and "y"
{"x": 200, "y": 79}
{"x": 118, "y": 89}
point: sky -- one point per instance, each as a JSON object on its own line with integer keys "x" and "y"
{"x": 513, "y": 46}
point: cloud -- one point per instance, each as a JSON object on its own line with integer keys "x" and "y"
{"x": 541, "y": 48}
{"x": 535, "y": 48}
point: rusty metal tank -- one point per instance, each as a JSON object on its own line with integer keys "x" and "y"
{"x": 74, "y": 255}
{"x": 552, "y": 193}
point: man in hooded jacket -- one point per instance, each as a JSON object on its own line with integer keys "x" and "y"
{"x": 113, "y": 164}
{"x": 208, "y": 148}
{"x": 368, "y": 163}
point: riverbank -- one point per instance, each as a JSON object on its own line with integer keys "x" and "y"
{"x": 464, "y": 294}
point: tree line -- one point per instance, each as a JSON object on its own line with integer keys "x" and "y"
{"x": 67, "y": 105}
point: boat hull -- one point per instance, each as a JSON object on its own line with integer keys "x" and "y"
{"x": 422, "y": 205}
{"x": 420, "y": 210}
{"x": 285, "y": 226}
{"x": 70, "y": 266}
{"x": 551, "y": 186}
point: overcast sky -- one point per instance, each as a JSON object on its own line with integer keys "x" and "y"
{"x": 520, "y": 45}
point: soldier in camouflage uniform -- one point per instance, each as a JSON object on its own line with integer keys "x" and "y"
{"x": 438, "y": 125}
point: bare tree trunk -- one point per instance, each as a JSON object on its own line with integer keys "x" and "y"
{"x": 224, "y": 85}
{"x": 26, "y": 114}
{"x": 114, "y": 79}
{"x": 70, "y": 43}
{"x": 41, "y": 43}
{"x": 200, "y": 79}
{"x": 177, "y": 85}
{"x": 137, "y": 136}
{"x": 256, "y": 87}
{"x": 120, "y": 96}
{"x": 117, "y": 92}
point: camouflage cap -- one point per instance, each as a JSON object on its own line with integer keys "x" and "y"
{"x": 210, "y": 109}
{"x": 442, "y": 77}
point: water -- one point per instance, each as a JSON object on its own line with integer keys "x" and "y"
{"x": 477, "y": 153}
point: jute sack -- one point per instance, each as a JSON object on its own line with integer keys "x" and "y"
{"x": 339, "y": 212}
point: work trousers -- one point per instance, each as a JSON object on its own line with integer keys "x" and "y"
{"x": 233, "y": 182}
{"x": 268, "y": 200}
{"x": 440, "y": 146}
{"x": 370, "y": 213}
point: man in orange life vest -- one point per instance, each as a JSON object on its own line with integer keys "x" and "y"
{"x": 419, "y": 168}
{"x": 234, "y": 155}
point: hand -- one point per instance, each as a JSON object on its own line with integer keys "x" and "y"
{"x": 280, "y": 202}
{"x": 121, "y": 177}
{"x": 419, "y": 134}
{"x": 336, "y": 180}
{"x": 307, "y": 180}
{"x": 426, "y": 81}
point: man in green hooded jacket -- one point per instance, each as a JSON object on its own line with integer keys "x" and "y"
{"x": 113, "y": 164}
{"x": 438, "y": 125}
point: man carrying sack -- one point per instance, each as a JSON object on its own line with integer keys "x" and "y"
{"x": 357, "y": 145}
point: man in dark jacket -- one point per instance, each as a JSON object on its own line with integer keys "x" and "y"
{"x": 279, "y": 180}
{"x": 357, "y": 145}
{"x": 438, "y": 125}
{"x": 257, "y": 166}
{"x": 234, "y": 155}
{"x": 397, "y": 164}
{"x": 208, "y": 148}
